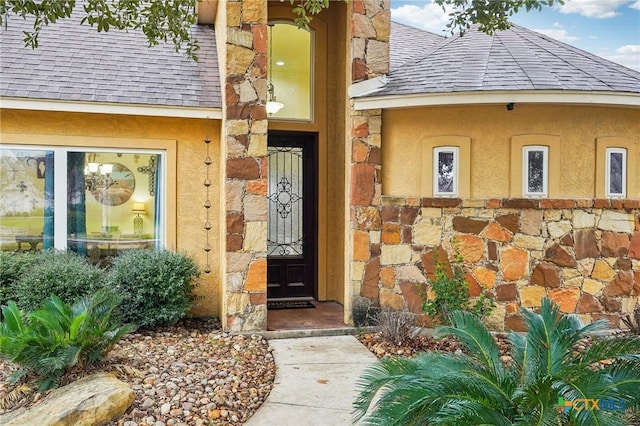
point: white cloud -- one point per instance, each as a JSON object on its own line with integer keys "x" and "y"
{"x": 558, "y": 32}
{"x": 628, "y": 55}
{"x": 427, "y": 16}
{"x": 635, "y": 5}
{"x": 630, "y": 49}
{"x": 596, "y": 8}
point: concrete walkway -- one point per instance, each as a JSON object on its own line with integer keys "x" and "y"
{"x": 315, "y": 381}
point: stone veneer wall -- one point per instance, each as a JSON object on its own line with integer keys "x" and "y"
{"x": 583, "y": 254}
{"x": 370, "y": 30}
{"x": 245, "y": 129}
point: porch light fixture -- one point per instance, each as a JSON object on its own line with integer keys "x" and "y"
{"x": 273, "y": 105}
{"x": 98, "y": 176}
{"x": 138, "y": 209}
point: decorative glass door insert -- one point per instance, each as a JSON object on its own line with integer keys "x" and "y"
{"x": 291, "y": 258}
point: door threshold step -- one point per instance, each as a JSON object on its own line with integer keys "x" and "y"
{"x": 291, "y": 299}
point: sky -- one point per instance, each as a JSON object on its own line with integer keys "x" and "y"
{"x": 607, "y": 28}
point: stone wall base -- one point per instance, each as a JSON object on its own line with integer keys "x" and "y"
{"x": 583, "y": 254}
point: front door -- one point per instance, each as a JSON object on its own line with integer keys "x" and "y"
{"x": 291, "y": 241}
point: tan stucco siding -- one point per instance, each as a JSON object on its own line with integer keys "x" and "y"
{"x": 492, "y": 129}
{"x": 182, "y": 139}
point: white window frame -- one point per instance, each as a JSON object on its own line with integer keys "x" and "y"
{"x": 456, "y": 174}
{"x": 60, "y": 185}
{"x": 607, "y": 172}
{"x": 525, "y": 171}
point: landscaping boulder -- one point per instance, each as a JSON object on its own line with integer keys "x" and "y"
{"x": 93, "y": 400}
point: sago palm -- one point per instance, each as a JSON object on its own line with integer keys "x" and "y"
{"x": 50, "y": 341}
{"x": 477, "y": 388}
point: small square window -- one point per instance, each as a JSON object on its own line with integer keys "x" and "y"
{"x": 445, "y": 171}
{"x": 616, "y": 172}
{"x": 535, "y": 168}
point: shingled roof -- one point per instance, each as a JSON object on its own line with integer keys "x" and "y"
{"x": 76, "y": 63}
{"x": 408, "y": 42}
{"x": 513, "y": 60}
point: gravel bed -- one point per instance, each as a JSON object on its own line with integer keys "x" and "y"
{"x": 190, "y": 374}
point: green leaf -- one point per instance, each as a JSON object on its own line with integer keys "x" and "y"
{"x": 77, "y": 322}
{"x": 12, "y": 323}
{"x": 476, "y": 388}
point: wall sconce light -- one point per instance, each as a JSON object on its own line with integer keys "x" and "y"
{"x": 510, "y": 106}
{"x": 138, "y": 209}
{"x": 98, "y": 176}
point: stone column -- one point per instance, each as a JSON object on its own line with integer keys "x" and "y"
{"x": 245, "y": 190}
{"x": 370, "y": 29}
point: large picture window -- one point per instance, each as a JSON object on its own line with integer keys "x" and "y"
{"x": 616, "y": 172}
{"x": 94, "y": 202}
{"x": 445, "y": 171}
{"x": 535, "y": 168}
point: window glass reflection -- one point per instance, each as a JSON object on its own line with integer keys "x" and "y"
{"x": 113, "y": 201}
{"x": 289, "y": 70}
{"x": 26, "y": 199}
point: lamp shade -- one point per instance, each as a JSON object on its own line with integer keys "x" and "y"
{"x": 138, "y": 208}
{"x": 93, "y": 167}
{"x": 273, "y": 107}
{"x": 106, "y": 168}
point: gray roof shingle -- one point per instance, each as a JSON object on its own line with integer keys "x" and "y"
{"x": 76, "y": 63}
{"x": 515, "y": 59}
{"x": 403, "y": 45}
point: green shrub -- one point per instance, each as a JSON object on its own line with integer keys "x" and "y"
{"x": 57, "y": 273}
{"x": 156, "y": 286}
{"x": 14, "y": 266}
{"x": 50, "y": 341}
{"x": 452, "y": 294}
{"x": 477, "y": 387}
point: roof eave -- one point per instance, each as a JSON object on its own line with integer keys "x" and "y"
{"x": 111, "y": 108}
{"x": 499, "y": 97}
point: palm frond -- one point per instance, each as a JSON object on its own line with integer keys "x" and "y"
{"x": 383, "y": 373}
{"x": 519, "y": 350}
{"x": 83, "y": 304}
{"x": 423, "y": 385}
{"x": 469, "y": 412}
{"x": 46, "y": 322}
{"x": 622, "y": 347}
{"x": 551, "y": 337}
{"x": 625, "y": 382}
{"x": 12, "y": 319}
{"x": 17, "y": 375}
{"x": 585, "y": 387}
{"x": 475, "y": 337}
{"x": 597, "y": 417}
{"x": 475, "y": 388}
{"x": 124, "y": 371}
{"x": 539, "y": 415}
{"x": 17, "y": 393}
{"x": 57, "y": 309}
{"x": 539, "y": 337}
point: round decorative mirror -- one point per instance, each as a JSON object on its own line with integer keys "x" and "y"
{"x": 117, "y": 187}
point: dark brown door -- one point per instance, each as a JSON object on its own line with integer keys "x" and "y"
{"x": 291, "y": 240}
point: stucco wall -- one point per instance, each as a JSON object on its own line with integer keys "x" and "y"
{"x": 575, "y": 247}
{"x": 186, "y": 171}
{"x": 491, "y": 129}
